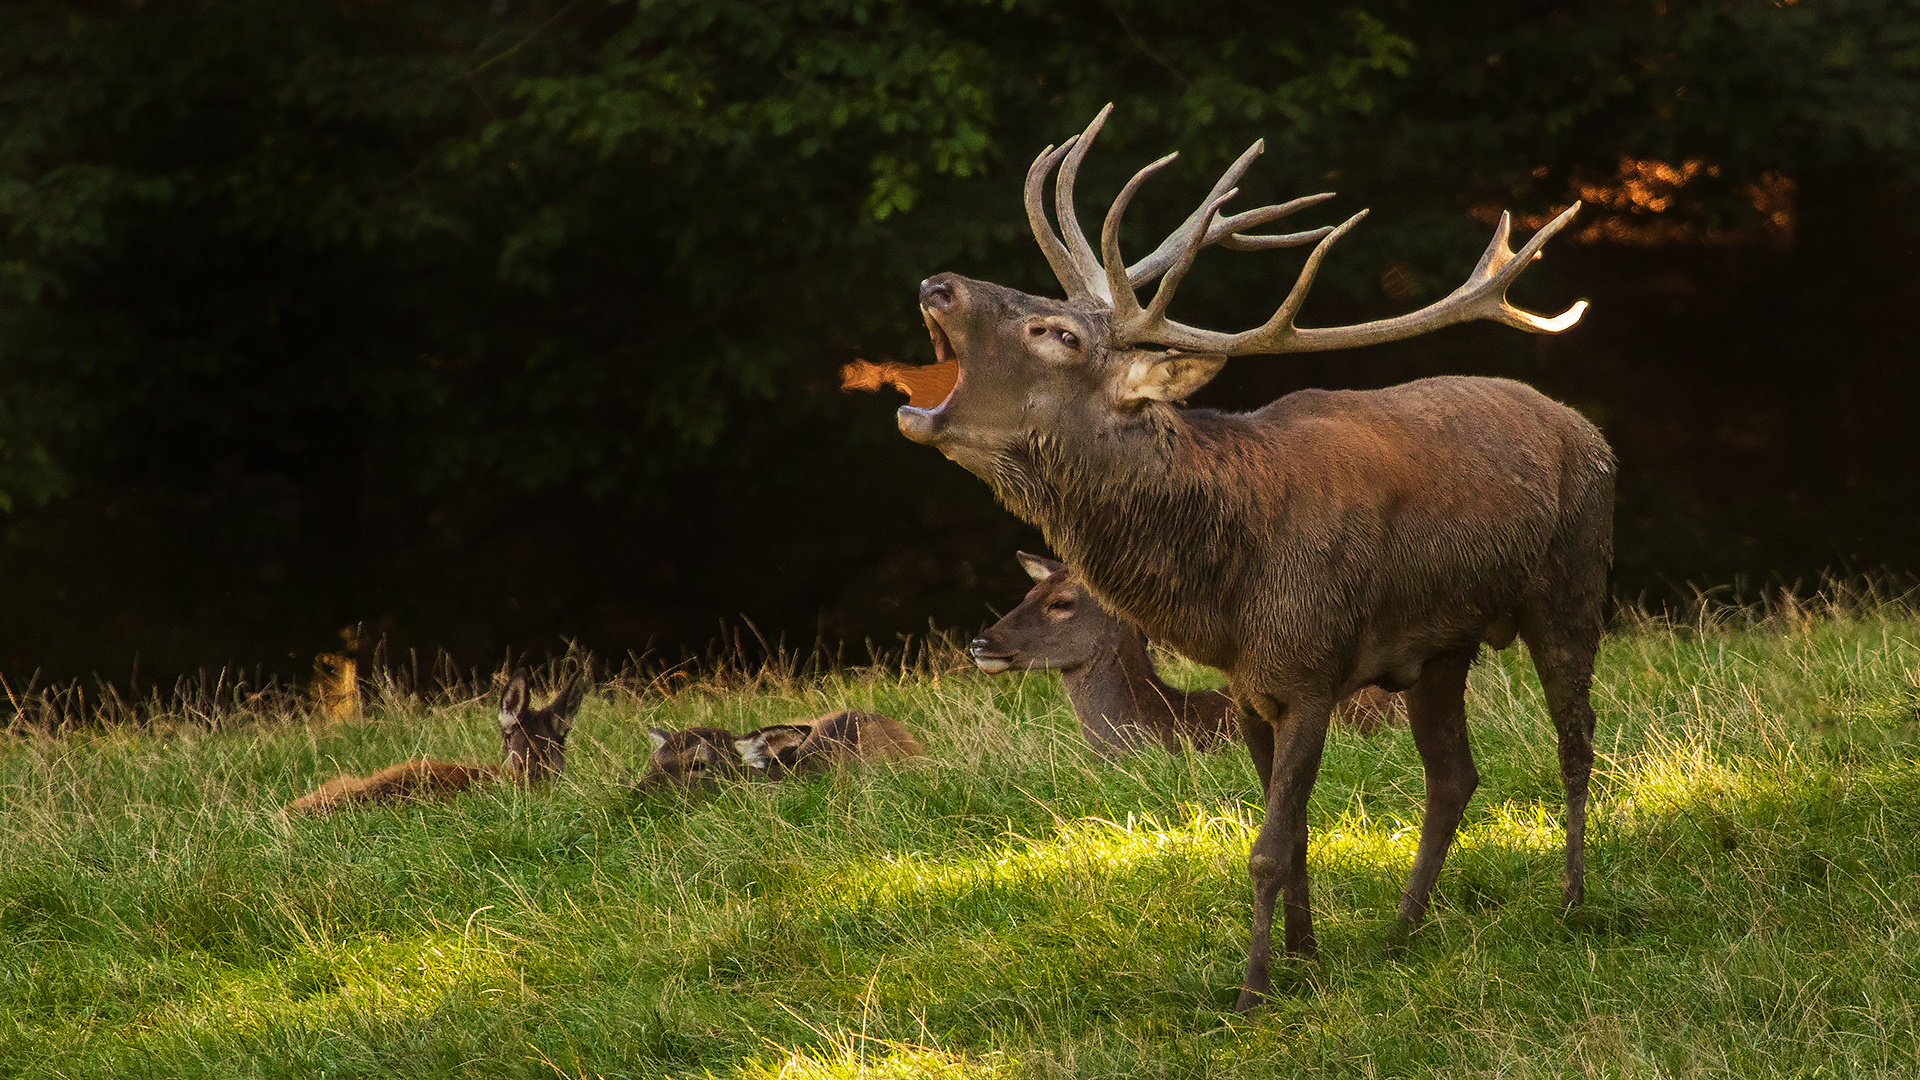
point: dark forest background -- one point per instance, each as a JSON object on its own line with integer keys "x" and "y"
{"x": 493, "y": 327}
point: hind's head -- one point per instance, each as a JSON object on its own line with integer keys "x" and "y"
{"x": 692, "y": 758}
{"x": 535, "y": 740}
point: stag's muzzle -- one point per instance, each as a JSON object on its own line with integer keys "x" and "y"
{"x": 921, "y": 425}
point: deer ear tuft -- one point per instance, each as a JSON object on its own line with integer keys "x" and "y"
{"x": 1168, "y": 376}
{"x": 783, "y": 741}
{"x": 753, "y": 749}
{"x": 1038, "y": 567}
{"x": 513, "y": 700}
{"x": 567, "y": 702}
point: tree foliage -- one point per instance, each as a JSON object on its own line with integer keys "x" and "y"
{"x": 605, "y": 247}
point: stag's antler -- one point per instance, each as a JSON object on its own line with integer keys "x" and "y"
{"x": 1108, "y": 280}
{"x": 1080, "y": 270}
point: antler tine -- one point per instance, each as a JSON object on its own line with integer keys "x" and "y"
{"x": 1196, "y": 239}
{"x": 1481, "y": 296}
{"x": 1280, "y": 326}
{"x": 1156, "y": 264}
{"x": 1224, "y": 231}
{"x": 1126, "y": 306}
{"x": 1230, "y": 228}
{"x": 1084, "y": 261}
{"x": 1501, "y": 266}
{"x": 1077, "y": 287}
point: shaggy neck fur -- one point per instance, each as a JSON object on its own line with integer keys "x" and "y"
{"x": 1106, "y": 502}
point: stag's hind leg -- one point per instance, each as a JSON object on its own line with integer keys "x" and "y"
{"x": 1437, "y": 714}
{"x": 1561, "y": 623}
{"x": 1563, "y": 643}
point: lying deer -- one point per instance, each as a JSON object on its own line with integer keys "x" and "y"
{"x": 534, "y": 742}
{"x": 700, "y": 756}
{"x": 1326, "y": 542}
{"x": 1103, "y": 661}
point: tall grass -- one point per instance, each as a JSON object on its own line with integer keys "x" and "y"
{"x": 1012, "y": 906}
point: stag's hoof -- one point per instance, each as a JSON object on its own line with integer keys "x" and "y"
{"x": 1249, "y": 1000}
{"x": 1399, "y": 937}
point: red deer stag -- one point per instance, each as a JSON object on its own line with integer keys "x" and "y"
{"x": 534, "y": 742}
{"x": 697, "y": 757}
{"x": 1103, "y": 661}
{"x": 1328, "y": 541}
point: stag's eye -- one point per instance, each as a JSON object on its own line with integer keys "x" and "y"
{"x": 1068, "y": 338}
{"x": 1060, "y": 607}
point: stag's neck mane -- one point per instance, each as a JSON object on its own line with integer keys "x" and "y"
{"x": 1108, "y": 503}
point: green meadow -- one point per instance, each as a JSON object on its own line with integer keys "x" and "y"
{"x": 1012, "y": 906}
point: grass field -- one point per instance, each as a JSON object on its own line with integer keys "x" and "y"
{"x": 1012, "y": 907}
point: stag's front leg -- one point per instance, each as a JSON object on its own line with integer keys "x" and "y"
{"x": 1437, "y": 713}
{"x": 1257, "y": 733}
{"x": 1297, "y": 733}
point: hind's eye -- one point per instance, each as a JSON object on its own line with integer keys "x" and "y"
{"x": 1070, "y": 339}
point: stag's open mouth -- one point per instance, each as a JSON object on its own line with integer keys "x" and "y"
{"x": 942, "y": 352}
{"x": 929, "y": 425}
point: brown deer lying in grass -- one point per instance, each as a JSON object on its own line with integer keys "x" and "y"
{"x": 534, "y": 742}
{"x": 1103, "y": 661}
{"x": 1326, "y": 542}
{"x": 700, "y": 756}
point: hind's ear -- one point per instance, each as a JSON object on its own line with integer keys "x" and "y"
{"x": 783, "y": 739}
{"x": 560, "y": 711}
{"x": 513, "y": 701}
{"x": 567, "y": 702}
{"x": 659, "y": 738}
{"x": 752, "y": 748}
{"x": 1038, "y": 567}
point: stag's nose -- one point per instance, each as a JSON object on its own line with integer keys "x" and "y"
{"x": 936, "y": 293}
{"x": 977, "y": 646}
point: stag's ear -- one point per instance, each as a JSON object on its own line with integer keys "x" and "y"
{"x": 1167, "y": 376}
{"x": 1038, "y": 567}
{"x": 513, "y": 701}
{"x": 659, "y": 738}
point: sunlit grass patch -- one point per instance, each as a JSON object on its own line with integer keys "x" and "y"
{"x": 376, "y": 977}
{"x": 1088, "y": 849}
{"x": 859, "y": 1057}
